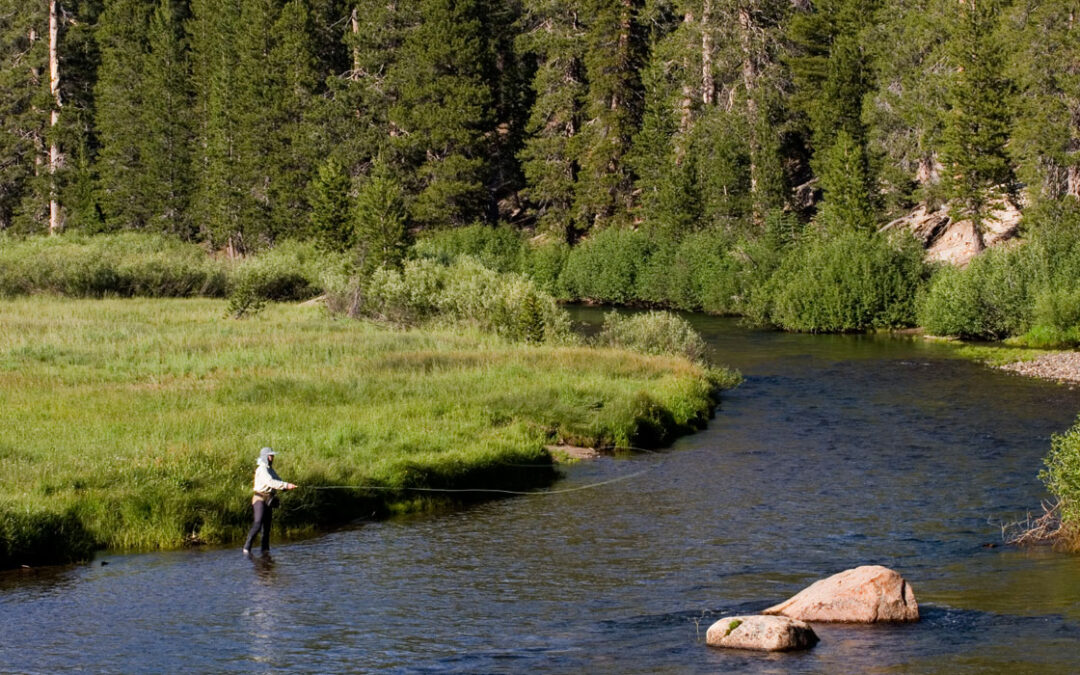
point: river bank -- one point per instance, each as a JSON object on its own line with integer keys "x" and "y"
{"x": 134, "y": 424}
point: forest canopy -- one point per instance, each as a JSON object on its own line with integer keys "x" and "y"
{"x": 241, "y": 123}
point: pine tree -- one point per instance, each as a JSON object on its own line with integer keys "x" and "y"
{"x": 219, "y": 188}
{"x": 1046, "y": 138}
{"x": 355, "y": 113}
{"x": 665, "y": 169}
{"x": 122, "y": 37}
{"x": 295, "y": 138}
{"x": 443, "y": 114}
{"x": 331, "y": 215}
{"x": 830, "y": 73}
{"x": 977, "y": 121}
{"x": 905, "y": 112}
{"x": 23, "y": 98}
{"x": 614, "y": 50}
{"x": 553, "y": 37}
{"x": 379, "y": 223}
{"x": 166, "y": 141}
{"x": 842, "y": 172}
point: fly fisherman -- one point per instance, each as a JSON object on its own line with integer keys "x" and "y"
{"x": 267, "y": 483}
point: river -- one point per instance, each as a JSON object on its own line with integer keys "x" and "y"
{"x": 836, "y": 451}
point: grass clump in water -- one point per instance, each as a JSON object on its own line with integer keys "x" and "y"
{"x": 134, "y": 424}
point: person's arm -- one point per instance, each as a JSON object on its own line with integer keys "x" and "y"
{"x": 266, "y": 481}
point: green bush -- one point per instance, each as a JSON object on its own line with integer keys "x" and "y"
{"x": 990, "y": 299}
{"x": 605, "y": 267}
{"x": 1062, "y": 475}
{"x": 543, "y": 262}
{"x": 467, "y": 292}
{"x": 848, "y": 281}
{"x": 290, "y": 271}
{"x": 657, "y": 333}
{"x": 500, "y": 248}
{"x": 1030, "y": 290}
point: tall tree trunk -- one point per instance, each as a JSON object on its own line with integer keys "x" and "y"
{"x": 708, "y": 83}
{"x": 354, "y": 26}
{"x": 686, "y": 103}
{"x": 54, "y": 118}
{"x": 750, "y": 77}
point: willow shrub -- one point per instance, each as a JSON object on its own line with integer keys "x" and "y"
{"x": 290, "y": 271}
{"x": 657, "y": 333}
{"x": 848, "y": 281}
{"x": 1062, "y": 479}
{"x": 990, "y": 299}
{"x": 1028, "y": 291}
{"x": 606, "y": 266}
{"x": 464, "y": 293}
{"x": 500, "y": 248}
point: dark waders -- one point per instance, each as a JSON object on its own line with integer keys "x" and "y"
{"x": 264, "y": 517}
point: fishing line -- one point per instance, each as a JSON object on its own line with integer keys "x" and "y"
{"x": 530, "y": 493}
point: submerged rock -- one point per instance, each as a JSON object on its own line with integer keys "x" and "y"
{"x": 866, "y": 594}
{"x": 764, "y": 633}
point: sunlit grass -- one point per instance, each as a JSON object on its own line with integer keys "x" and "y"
{"x": 135, "y": 423}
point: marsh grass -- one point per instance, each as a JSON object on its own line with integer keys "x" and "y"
{"x": 134, "y": 424}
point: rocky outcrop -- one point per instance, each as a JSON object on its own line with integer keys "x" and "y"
{"x": 867, "y": 594}
{"x": 764, "y": 633}
{"x": 958, "y": 241}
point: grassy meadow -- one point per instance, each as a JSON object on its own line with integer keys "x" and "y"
{"x": 135, "y": 423}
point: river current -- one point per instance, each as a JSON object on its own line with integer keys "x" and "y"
{"x": 836, "y": 451}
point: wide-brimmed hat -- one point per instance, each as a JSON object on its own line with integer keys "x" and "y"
{"x": 266, "y": 453}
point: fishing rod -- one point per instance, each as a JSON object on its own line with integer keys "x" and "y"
{"x": 525, "y": 493}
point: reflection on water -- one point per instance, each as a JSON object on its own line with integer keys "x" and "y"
{"x": 837, "y": 451}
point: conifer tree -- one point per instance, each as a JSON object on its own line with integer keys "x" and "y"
{"x": 554, "y": 37}
{"x": 443, "y": 114}
{"x": 355, "y": 113}
{"x": 830, "y": 73}
{"x": 977, "y": 121}
{"x": 219, "y": 186}
{"x": 331, "y": 214}
{"x": 841, "y": 169}
{"x": 122, "y": 36}
{"x": 294, "y": 137}
{"x": 379, "y": 223}
{"x": 23, "y": 98}
{"x": 1046, "y": 137}
{"x": 614, "y": 49}
{"x": 166, "y": 142}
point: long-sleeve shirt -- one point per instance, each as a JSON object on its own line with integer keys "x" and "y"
{"x": 267, "y": 480}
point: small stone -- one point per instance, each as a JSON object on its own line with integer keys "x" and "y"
{"x": 867, "y": 594}
{"x": 763, "y": 633}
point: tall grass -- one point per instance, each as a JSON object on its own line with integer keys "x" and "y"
{"x": 135, "y": 264}
{"x": 134, "y": 423}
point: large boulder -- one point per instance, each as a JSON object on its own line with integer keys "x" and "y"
{"x": 765, "y": 633}
{"x": 866, "y": 594}
{"x": 954, "y": 241}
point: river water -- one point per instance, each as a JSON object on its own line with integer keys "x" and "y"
{"x": 836, "y": 451}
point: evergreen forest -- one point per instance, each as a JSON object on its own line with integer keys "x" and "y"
{"x": 733, "y": 125}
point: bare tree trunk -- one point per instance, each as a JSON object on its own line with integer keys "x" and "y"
{"x": 354, "y": 26}
{"x": 750, "y": 76}
{"x": 686, "y": 104}
{"x": 708, "y": 84}
{"x": 55, "y": 158}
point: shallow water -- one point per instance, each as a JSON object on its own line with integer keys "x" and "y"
{"x": 836, "y": 451}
